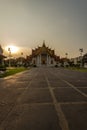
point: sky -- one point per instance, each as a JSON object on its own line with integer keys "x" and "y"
{"x": 61, "y": 23}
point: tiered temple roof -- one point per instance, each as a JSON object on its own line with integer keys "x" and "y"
{"x": 43, "y": 50}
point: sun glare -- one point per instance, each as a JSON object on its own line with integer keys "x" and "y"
{"x": 13, "y": 49}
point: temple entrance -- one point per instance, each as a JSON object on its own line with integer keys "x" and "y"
{"x": 43, "y": 59}
{"x": 43, "y": 62}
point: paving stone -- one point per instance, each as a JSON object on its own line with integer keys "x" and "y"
{"x": 26, "y": 102}
{"x": 79, "y": 83}
{"x": 76, "y": 115}
{"x": 38, "y": 84}
{"x": 26, "y": 117}
{"x": 84, "y": 90}
{"x": 35, "y": 96}
{"x": 4, "y": 110}
{"x": 58, "y": 84}
{"x": 68, "y": 95}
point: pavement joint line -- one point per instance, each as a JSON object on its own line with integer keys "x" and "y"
{"x": 13, "y": 105}
{"x": 71, "y": 85}
{"x": 38, "y": 103}
{"x": 59, "y": 87}
{"x": 62, "y": 119}
{"x": 39, "y": 88}
{"x": 26, "y": 88}
{"x": 82, "y": 87}
{"x": 73, "y": 103}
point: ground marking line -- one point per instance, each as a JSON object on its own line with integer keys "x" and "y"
{"x": 74, "y": 103}
{"x": 26, "y": 88}
{"x": 62, "y": 120}
{"x": 71, "y": 85}
{"x": 13, "y": 105}
{"x": 38, "y": 104}
{"x": 75, "y": 88}
{"x": 82, "y": 87}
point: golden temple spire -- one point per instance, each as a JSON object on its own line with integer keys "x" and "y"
{"x": 44, "y": 43}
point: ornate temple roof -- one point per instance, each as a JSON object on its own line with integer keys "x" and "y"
{"x": 43, "y": 50}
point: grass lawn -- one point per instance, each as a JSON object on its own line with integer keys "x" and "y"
{"x": 12, "y": 71}
{"x": 78, "y": 69}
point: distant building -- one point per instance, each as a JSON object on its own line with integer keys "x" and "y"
{"x": 76, "y": 60}
{"x": 43, "y": 56}
{"x": 1, "y": 55}
{"x": 84, "y": 60}
{"x": 20, "y": 61}
{"x": 64, "y": 62}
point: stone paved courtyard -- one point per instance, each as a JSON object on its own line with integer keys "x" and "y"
{"x": 44, "y": 99}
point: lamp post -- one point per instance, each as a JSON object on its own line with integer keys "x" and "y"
{"x": 9, "y": 50}
{"x": 22, "y": 58}
{"x": 81, "y": 51}
{"x": 66, "y": 54}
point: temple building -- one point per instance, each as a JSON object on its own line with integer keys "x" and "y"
{"x": 43, "y": 56}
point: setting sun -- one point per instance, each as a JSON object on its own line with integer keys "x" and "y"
{"x": 13, "y": 49}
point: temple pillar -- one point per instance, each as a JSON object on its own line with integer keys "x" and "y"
{"x": 48, "y": 60}
{"x": 40, "y": 59}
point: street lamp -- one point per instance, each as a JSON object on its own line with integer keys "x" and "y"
{"x": 22, "y": 58}
{"x": 9, "y": 50}
{"x": 81, "y": 51}
{"x": 66, "y": 54}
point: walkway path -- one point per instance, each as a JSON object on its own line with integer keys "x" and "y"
{"x": 44, "y": 99}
